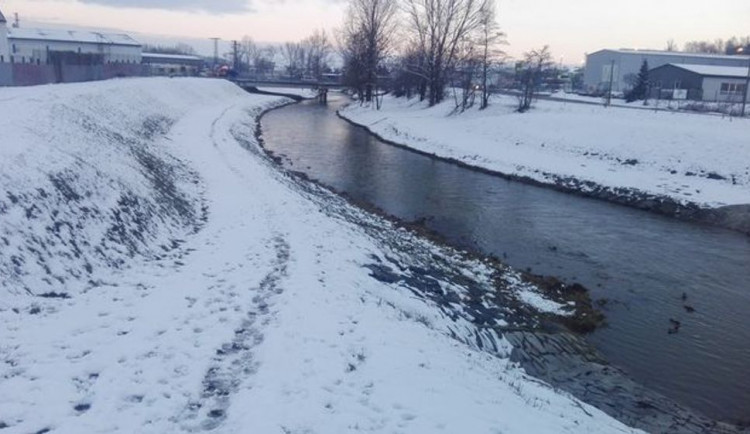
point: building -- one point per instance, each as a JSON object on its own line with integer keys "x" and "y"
{"x": 623, "y": 66}
{"x": 39, "y": 46}
{"x": 38, "y": 56}
{"x": 172, "y": 64}
{"x": 702, "y": 82}
{"x": 4, "y": 47}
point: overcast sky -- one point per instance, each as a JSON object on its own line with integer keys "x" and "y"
{"x": 571, "y": 28}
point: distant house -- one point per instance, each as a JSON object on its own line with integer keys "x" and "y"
{"x": 623, "y": 65}
{"x": 172, "y": 64}
{"x": 702, "y": 82}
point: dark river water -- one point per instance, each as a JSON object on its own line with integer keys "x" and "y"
{"x": 641, "y": 263}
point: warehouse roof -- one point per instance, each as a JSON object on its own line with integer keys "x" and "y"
{"x": 164, "y": 56}
{"x": 673, "y": 54}
{"x": 71, "y": 36}
{"x": 714, "y": 71}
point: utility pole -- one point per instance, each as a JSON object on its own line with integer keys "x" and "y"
{"x": 216, "y": 51}
{"x": 747, "y": 89}
{"x": 747, "y": 84}
{"x": 611, "y": 81}
{"x": 235, "y": 56}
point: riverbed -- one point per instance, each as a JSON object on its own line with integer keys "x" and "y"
{"x": 647, "y": 272}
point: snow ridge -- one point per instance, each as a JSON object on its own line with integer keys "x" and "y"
{"x": 86, "y": 189}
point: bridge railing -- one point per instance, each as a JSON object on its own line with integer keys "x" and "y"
{"x": 335, "y": 81}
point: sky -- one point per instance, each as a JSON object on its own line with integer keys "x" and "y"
{"x": 571, "y": 28}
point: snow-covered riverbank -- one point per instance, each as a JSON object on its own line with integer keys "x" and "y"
{"x": 158, "y": 274}
{"x": 691, "y": 159}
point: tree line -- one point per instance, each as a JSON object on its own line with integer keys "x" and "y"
{"x": 433, "y": 49}
{"x": 414, "y": 47}
{"x": 423, "y": 47}
{"x": 732, "y": 46}
{"x": 179, "y": 48}
{"x": 309, "y": 58}
{"x": 439, "y": 40}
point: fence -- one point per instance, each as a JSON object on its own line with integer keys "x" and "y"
{"x": 30, "y": 74}
{"x": 6, "y": 74}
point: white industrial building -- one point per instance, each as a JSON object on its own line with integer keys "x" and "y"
{"x": 28, "y": 45}
{"x": 34, "y": 45}
{"x": 4, "y": 47}
{"x": 621, "y": 66}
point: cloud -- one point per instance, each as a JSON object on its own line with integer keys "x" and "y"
{"x": 210, "y": 6}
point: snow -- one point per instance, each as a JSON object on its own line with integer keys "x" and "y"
{"x": 599, "y": 100}
{"x": 704, "y": 108}
{"x": 679, "y": 155}
{"x": 530, "y": 295}
{"x": 208, "y": 290}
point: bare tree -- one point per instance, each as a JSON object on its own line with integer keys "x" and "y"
{"x": 672, "y": 45}
{"x": 353, "y": 52}
{"x": 263, "y": 60}
{"x": 464, "y": 74}
{"x": 317, "y": 48}
{"x": 405, "y": 80}
{"x": 709, "y": 47}
{"x": 179, "y": 48}
{"x": 367, "y": 38}
{"x": 489, "y": 39}
{"x": 247, "y": 51}
{"x": 719, "y": 46}
{"x": 438, "y": 27}
{"x": 735, "y": 45}
{"x": 294, "y": 56}
{"x": 531, "y": 71}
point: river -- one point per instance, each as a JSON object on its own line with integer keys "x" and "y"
{"x": 644, "y": 269}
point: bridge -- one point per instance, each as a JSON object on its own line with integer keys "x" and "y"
{"x": 329, "y": 83}
{"x": 253, "y": 85}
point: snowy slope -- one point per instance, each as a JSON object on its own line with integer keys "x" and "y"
{"x": 691, "y": 158}
{"x": 235, "y": 299}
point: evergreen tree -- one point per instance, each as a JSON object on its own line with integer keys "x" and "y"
{"x": 640, "y": 90}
